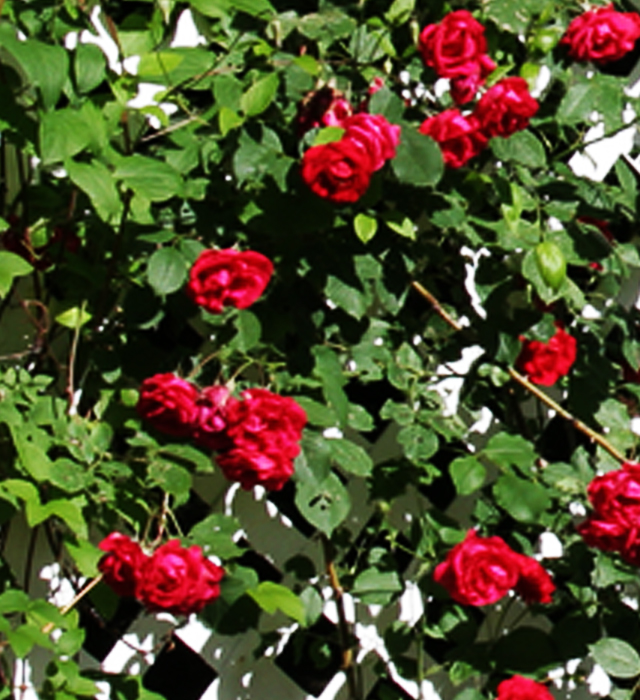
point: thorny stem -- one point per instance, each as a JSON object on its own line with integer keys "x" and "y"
{"x": 77, "y": 598}
{"x": 343, "y": 626}
{"x": 526, "y": 384}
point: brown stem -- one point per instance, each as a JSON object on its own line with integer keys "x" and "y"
{"x": 78, "y": 597}
{"x": 343, "y": 626}
{"x": 525, "y": 383}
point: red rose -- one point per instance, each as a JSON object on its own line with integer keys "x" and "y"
{"x": 375, "y": 134}
{"x": 454, "y": 47}
{"x": 323, "y": 107}
{"x": 265, "y": 431}
{"x": 505, "y": 108}
{"x": 535, "y": 585}
{"x": 615, "y": 523}
{"x": 481, "y": 570}
{"x": 520, "y": 688}
{"x": 545, "y": 363}
{"x": 168, "y": 403}
{"x": 228, "y": 277}
{"x": 339, "y": 171}
{"x": 120, "y": 565}
{"x": 457, "y": 136}
{"x": 602, "y": 35}
{"x": 178, "y": 580}
{"x": 211, "y": 419}
{"x": 464, "y": 88}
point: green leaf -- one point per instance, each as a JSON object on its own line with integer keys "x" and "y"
{"x": 248, "y": 330}
{"x": 260, "y": 95}
{"x": 220, "y": 8}
{"x": 551, "y": 263}
{"x": 329, "y": 371}
{"x": 401, "y": 224}
{"x": 151, "y": 178}
{"x": 324, "y": 503}
{"x": 97, "y": 182}
{"x": 11, "y": 266}
{"x": 69, "y": 475}
{"x": 365, "y": 227}
{"x": 271, "y": 597}
{"x": 523, "y": 500}
{"x": 187, "y": 453}
{"x": 617, "y": 657}
{"x": 345, "y": 297}
{"x": 89, "y": 67}
{"x": 32, "y": 457}
{"x": 330, "y": 134}
{"x": 468, "y": 475}
{"x": 418, "y": 443}
{"x": 350, "y": 457}
{"x": 214, "y": 534}
{"x": 85, "y": 555}
{"x": 374, "y": 587}
{"x": 63, "y": 133}
{"x": 228, "y": 120}
{"x": 166, "y": 271}
{"x": 73, "y": 318}
{"x": 171, "y": 478}
{"x": 506, "y": 450}
{"x": 400, "y": 11}
{"x": 418, "y": 160}
{"x": 13, "y": 600}
{"x": 522, "y": 147}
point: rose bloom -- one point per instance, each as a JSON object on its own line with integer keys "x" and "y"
{"x": 323, "y": 107}
{"x": 482, "y": 570}
{"x": 120, "y": 565}
{"x": 168, "y": 403}
{"x": 602, "y": 35}
{"x": 454, "y": 47}
{"x": 614, "y": 524}
{"x": 209, "y": 428}
{"x": 458, "y": 137}
{"x": 465, "y": 88}
{"x": 339, "y": 171}
{"x": 178, "y": 579}
{"x": 505, "y": 108}
{"x": 521, "y": 688}
{"x": 545, "y": 363}
{"x": 376, "y": 135}
{"x": 228, "y": 277}
{"x": 265, "y": 431}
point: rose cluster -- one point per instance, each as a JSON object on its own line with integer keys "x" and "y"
{"x": 545, "y": 363}
{"x": 229, "y": 277}
{"x": 602, "y": 35}
{"x": 341, "y": 171}
{"x": 614, "y": 525}
{"x": 256, "y": 438}
{"x": 482, "y": 570}
{"x": 456, "y": 49}
{"x": 174, "y": 579}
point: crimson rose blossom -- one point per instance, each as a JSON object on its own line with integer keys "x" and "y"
{"x": 120, "y": 565}
{"x": 228, "y": 277}
{"x": 375, "y": 134}
{"x": 505, "y": 108}
{"x": 265, "y": 430}
{"x": 545, "y": 363}
{"x": 456, "y": 48}
{"x": 168, "y": 403}
{"x": 211, "y": 419}
{"x": 602, "y": 35}
{"x": 339, "y": 171}
{"x": 458, "y": 137}
{"x": 521, "y": 688}
{"x": 482, "y": 570}
{"x": 614, "y": 524}
{"x": 178, "y": 579}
